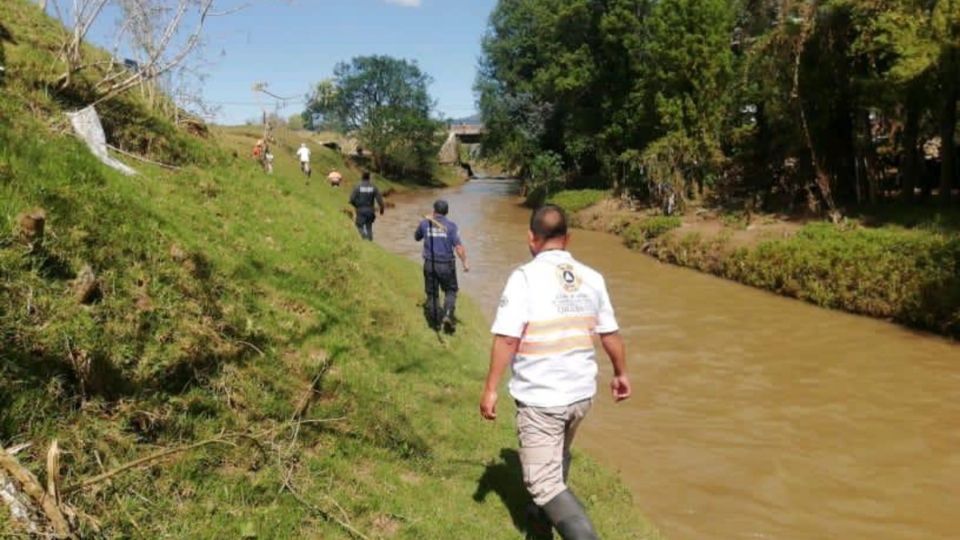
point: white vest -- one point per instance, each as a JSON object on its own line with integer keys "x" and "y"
{"x": 556, "y": 306}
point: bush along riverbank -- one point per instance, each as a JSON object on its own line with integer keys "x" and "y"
{"x": 211, "y": 352}
{"x": 898, "y": 265}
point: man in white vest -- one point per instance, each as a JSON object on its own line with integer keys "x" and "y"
{"x": 550, "y": 312}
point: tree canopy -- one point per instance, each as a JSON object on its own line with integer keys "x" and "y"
{"x": 385, "y": 103}
{"x": 789, "y": 103}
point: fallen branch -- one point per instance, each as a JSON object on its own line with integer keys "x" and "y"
{"x": 53, "y": 471}
{"x": 142, "y": 461}
{"x": 143, "y": 159}
{"x": 307, "y": 398}
{"x": 323, "y": 513}
{"x": 31, "y": 486}
{"x": 14, "y": 450}
{"x": 252, "y": 346}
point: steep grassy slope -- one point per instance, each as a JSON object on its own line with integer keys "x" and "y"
{"x": 237, "y": 306}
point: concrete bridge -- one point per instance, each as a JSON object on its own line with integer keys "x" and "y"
{"x": 457, "y": 135}
{"x": 468, "y": 133}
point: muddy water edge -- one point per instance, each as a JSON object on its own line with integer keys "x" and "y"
{"x": 754, "y": 416}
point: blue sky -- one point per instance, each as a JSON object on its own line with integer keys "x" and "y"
{"x": 291, "y": 44}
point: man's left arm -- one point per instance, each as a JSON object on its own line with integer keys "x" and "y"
{"x": 376, "y": 193}
{"x": 613, "y": 345}
{"x": 617, "y": 351}
{"x": 460, "y": 250}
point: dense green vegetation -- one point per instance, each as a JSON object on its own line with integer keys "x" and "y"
{"x": 777, "y": 104}
{"x": 232, "y": 306}
{"x": 579, "y": 199}
{"x": 909, "y": 276}
{"x": 384, "y": 102}
{"x": 638, "y": 233}
{"x": 832, "y": 107}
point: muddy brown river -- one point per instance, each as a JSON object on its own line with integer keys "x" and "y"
{"x": 753, "y": 416}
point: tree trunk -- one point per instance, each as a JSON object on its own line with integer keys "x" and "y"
{"x": 909, "y": 151}
{"x": 822, "y": 177}
{"x": 948, "y": 126}
{"x": 869, "y": 160}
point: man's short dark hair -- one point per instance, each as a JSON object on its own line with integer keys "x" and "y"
{"x": 549, "y": 222}
{"x": 441, "y": 207}
{"x": 366, "y": 175}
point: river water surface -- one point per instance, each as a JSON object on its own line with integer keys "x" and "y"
{"x": 753, "y": 416}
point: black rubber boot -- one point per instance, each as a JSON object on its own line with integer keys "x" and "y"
{"x": 569, "y": 517}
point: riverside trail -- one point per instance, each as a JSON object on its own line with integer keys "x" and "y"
{"x": 754, "y": 416}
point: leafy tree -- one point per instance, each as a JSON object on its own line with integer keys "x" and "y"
{"x": 295, "y": 122}
{"x": 546, "y": 177}
{"x": 384, "y": 102}
{"x": 688, "y": 67}
{"x": 824, "y": 103}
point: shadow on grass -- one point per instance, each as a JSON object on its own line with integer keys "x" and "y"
{"x": 917, "y": 215}
{"x": 505, "y": 478}
{"x": 5, "y": 35}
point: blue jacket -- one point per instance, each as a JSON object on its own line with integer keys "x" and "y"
{"x": 439, "y": 242}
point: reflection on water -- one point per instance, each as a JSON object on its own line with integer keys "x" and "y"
{"x": 754, "y": 416}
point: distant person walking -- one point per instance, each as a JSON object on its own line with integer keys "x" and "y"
{"x": 304, "y": 154}
{"x": 363, "y": 198}
{"x": 261, "y": 153}
{"x": 441, "y": 246}
{"x": 335, "y": 178}
{"x": 550, "y": 311}
{"x": 268, "y": 161}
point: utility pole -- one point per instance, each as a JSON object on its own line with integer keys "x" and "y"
{"x": 261, "y": 88}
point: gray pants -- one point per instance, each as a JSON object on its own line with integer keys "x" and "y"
{"x": 546, "y": 434}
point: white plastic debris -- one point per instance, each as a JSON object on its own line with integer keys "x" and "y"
{"x": 86, "y": 122}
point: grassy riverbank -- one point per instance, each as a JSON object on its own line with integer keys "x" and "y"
{"x": 237, "y": 309}
{"x": 891, "y": 263}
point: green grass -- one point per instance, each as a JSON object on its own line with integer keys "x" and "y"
{"x": 931, "y": 216}
{"x": 224, "y": 293}
{"x": 576, "y": 200}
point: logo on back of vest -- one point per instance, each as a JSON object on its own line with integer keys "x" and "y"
{"x": 569, "y": 280}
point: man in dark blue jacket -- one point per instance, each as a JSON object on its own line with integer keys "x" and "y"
{"x": 441, "y": 246}
{"x": 363, "y": 199}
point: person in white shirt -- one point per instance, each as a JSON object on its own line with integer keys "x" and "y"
{"x": 304, "y": 154}
{"x": 550, "y": 312}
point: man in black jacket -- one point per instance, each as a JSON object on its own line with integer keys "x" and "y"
{"x": 363, "y": 198}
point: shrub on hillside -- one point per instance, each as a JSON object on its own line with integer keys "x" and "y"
{"x": 576, "y": 200}
{"x": 132, "y": 127}
{"x": 641, "y": 232}
{"x": 910, "y": 276}
{"x": 546, "y": 176}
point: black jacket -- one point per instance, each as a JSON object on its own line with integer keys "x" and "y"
{"x": 364, "y": 195}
